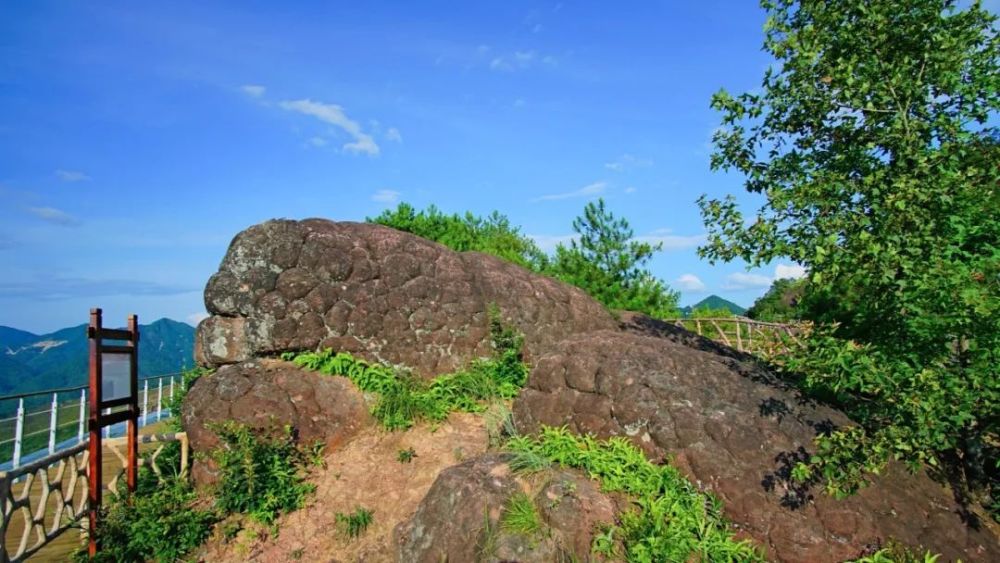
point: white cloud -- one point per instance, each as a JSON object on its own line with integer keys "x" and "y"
{"x": 253, "y": 90}
{"x": 793, "y": 271}
{"x": 671, "y": 242}
{"x": 744, "y": 280}
{"x": 334, "y": 115}
{"x": 519, "y": 60}
{"x": 386, "y": 196}
{"x": 194, "y": 318}
{"x": 317, "y": 141}
{"x": 586, "y": 191}
{"x": 628, "y": 162}
{"x": 71, "y": 175}
{"x": 690, "y": 283}
{"x": 393, "y": 135}
{"x": 548, "y": 243}
{"x": 53, "y": 215}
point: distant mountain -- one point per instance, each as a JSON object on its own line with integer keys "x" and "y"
{"x": 30, "y": 362}
{"x": 714, "y": 302}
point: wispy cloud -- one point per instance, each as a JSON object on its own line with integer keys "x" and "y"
{"x": 548, "y": 243}
{"x": 54, "y": 216}
{"x": 690, "y": 283}
{"x": 334, "y": 115}
{"x": 743, "y": 280}
{"x": 520, "y": 60}
{"x": 253, "y": 90}
{"x": 630, "y": 190}
{"x": 386, "y": 196}
{"x": 71, "y": 175}
{"x": 671, "y": 241}
{"x": 589, "y": 190}
{"x": 628, "y": 162}
{"x": 793, "y": 271}
{"x": 56, "y": 288}
{"x": 392, "y": 134}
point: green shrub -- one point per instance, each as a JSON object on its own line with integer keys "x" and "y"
{"x": 355, "y": 523}
{"x": 154, "y": 524}
{"x": 259, "y": 475}
{"x": 492, "y": 235}
{"x": 672, "y": 520}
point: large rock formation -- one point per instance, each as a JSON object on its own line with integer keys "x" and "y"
{"x": 267, "y": 395}
{"x": 737, "y": 431}
{"x": 731, "y": 425}
{"x": 378, "y": 293}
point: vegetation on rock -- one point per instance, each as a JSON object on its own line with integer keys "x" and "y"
{"x": 404, "y": 399}
{"x": 671, "y": 520}
{"x": 873, "y": 140}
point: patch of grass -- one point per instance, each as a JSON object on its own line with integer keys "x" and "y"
{"x": 520, "y": 515}
{"x": 404, "y": 399}
{"x": 355, "y": 523}
{"x": 489, "y": 538}
{"x": 260, "y": 475}
{"x": 671, "y": 520}
{"x": 406, "y": 456}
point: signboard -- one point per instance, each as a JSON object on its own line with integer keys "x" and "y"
{"x": 116, "y": 376}
{"x": 113, "y": 399}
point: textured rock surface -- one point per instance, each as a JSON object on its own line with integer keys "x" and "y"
{"x": 460, "y": 519}
{"x": 379, "y": 293}
{"x": 736, "y": 430}
{"x": 267, "y": 395}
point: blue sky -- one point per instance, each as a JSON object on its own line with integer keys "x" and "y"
{"x": 136, "y": 139}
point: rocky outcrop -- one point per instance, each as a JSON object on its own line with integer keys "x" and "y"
{"x": 737, "y": 431}
{"x": 379, "y": 293}
{"x": 462, "y": 516}
{"x": 267, "y": 395}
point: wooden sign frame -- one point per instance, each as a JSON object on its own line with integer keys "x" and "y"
{"x": 96, "y": 334}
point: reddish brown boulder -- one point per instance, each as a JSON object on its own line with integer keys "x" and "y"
{"x": 737, "y": 431}
{"x": 461, "y": 518}
{"x": 379, "y": 293}
{"x": 267, "y": 395}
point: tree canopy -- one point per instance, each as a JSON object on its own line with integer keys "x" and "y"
{"x": 873, "y": 143}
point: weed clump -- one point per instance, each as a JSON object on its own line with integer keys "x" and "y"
{"x": 260, "y": 475}
{"x": 406, "y": 456}
{"x": 355, "y": 523}
{"x": 671, "y": 520}
{"x": 520, "y": 515}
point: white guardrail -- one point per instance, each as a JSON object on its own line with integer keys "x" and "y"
{"x": 63, "y": 410}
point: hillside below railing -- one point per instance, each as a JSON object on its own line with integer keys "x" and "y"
{"x": 747, "y": 335}
{"x": 39, "y": 423}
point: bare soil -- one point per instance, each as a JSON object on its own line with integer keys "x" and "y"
{"x": 365, "y": 472}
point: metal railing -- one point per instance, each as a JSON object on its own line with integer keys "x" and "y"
{"x": 30, "y": 520}
{"x": 744, "y": 334}
{"x": 54, "y": 419}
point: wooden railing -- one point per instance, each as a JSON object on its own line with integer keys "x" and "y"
{"x": 746, "y": 335}
{"x": 42, "y": 499}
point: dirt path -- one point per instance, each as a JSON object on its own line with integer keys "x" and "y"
{"x": 363, "y": 473}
